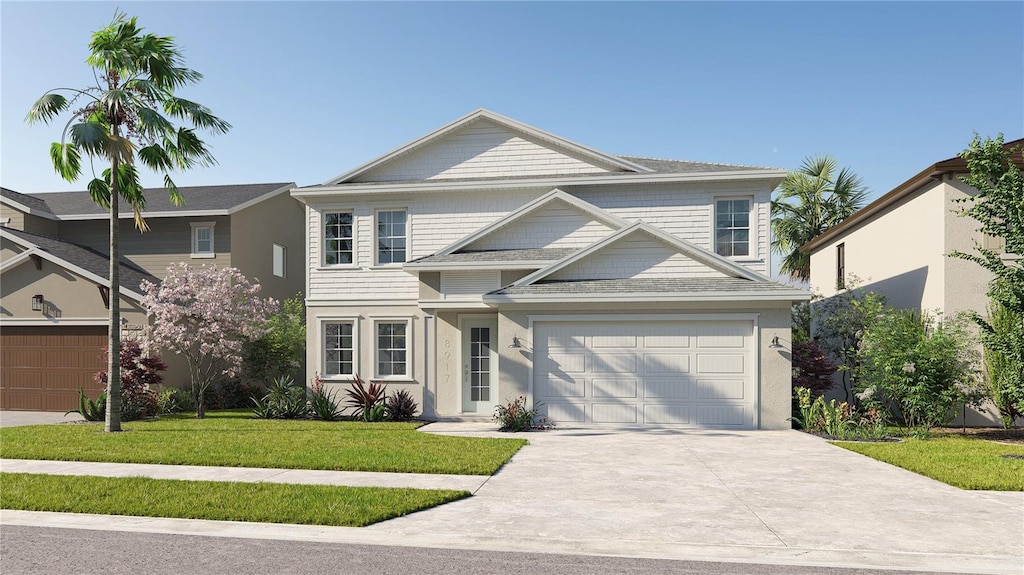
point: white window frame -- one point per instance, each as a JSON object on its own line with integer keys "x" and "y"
{"x": 376, "y": 237}
{"x": 322, "y": 349}
{"x": 323, "y": 239}
{"x": 407, "y": 376}
{"x": 753, "y": 253}
{"x": 195, "y": 253}
{"x": 284, "y": 260}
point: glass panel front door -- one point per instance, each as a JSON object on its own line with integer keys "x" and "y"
{"x": 479, "y": 365}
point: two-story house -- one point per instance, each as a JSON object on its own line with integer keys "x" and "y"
{"x": 489, "y": 260}
{"x": 898, "y": 244}
{"x": 54, "y": 270}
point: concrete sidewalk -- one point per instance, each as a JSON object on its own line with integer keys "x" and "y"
{"x": 470, "y": 483}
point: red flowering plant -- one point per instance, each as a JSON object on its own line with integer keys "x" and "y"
{"x": 140, "y": 381}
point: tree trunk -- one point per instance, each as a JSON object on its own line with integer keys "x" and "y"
{"x": 113, "y": 422}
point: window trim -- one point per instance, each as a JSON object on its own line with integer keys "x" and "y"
{"x": 376, "y": 238}
{"x": 322, "y": 350}
{"x": 753, "y": 253}
{"x": 321, "y": 264}
{"x": 194, "y": 253}
{"x": 407, "y": 320}
{"x": 841, "y": 266}
{"x": 284, "y": 260}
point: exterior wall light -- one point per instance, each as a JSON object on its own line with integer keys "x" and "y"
{"x": 515, "y": 343}
{"x": 775, "y": 342}
{"x": 37, "y": 302}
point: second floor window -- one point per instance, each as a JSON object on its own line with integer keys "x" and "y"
{"x": 202, "y": 240}
{"x": 391, "y": 237}
{"x": 841, "y": 266}
{"x": 338, "y": 238}
{"x": 732, "y": 227}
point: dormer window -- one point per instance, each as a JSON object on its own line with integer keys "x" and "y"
{"x": 202, "y": 240}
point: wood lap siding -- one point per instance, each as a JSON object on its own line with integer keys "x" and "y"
{"x": 41, "y": 368}
{"x": 482, "y": 150}
{"x": 635, "y": 257}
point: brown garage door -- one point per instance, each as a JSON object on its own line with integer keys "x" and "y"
{"x": 41, "y": 368}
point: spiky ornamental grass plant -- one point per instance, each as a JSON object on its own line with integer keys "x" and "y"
{"x": 127, "y": 118}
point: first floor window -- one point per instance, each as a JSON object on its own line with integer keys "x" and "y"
{"x": 391, "y": 237}
{"x": 338, "y": 238}
{"x": 202, "y": 239}
{"x": 339, "y": 348}
{"x": 732, "y": 227}
{"x": 392, "y": 348}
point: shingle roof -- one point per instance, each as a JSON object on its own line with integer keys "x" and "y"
{"x": 87, "y": 259}
{"x": 497, "y": 256}
{"x": 31, "y": 202}
{"x": 197, "y": 198}
{"x": 644, "y": 285}
{"x": 682, "y": 166}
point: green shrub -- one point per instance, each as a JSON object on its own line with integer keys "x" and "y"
{"x": 281, "y": 349}
{"x": 89, "y": 409}
{"x": 174, "y": 400}
{"x": 1004, "y": 361}
{"x": 917, "y": 367}
{"x": 838, "y": 420}
{"x": 284, "y": 400}
{"x": 401, "y": 406}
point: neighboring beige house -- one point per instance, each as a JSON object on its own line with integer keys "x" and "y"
{"x": 897, "y": 247}
{"x": 490, "y": 259}
{"x": 54, "y": 269}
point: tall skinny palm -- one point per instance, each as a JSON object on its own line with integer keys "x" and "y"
{"x": 809, "y": 201}
{"x": 125, "y": 119}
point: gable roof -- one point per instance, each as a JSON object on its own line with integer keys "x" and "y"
{"x": 614, "y": 162}
{"x": 532, "y": 258}
{"x": 954, "y": 165}
{"x": 199, "y": 200}
{"x": 84, "y": 261}
{"x": 683, "y": 166}
{"x": 25, "y": 203}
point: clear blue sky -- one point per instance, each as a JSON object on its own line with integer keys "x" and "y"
{"x": 314, "y": 89}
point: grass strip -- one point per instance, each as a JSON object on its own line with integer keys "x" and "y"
{"x": 964, "y": 462}
{"x": 236, "y": 439}
{"x": 257, "y": 502}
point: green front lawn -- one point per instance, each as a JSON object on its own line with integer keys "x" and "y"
{"x": 964, "y": 461}
{"x": 259, "y": 502}
{"x": 235, "y": 439}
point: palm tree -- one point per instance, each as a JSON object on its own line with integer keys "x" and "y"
{"x": 127, "y": 118}
{"x": 809, "y": 201}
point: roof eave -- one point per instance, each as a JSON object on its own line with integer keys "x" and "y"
{"x": 718, "y": 296}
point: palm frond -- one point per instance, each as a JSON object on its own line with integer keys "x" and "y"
{"x": 91, "y": 137}
{"x": 199, "y": 115}
{"x": 66, "y": 160}
{"x": 99, "y": 191}
{"x": 46, "y": 108}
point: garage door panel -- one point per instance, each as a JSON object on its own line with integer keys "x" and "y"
{"x": 732, "y": 415}
{"x": 667, "y": 388}
{"x": 42, "y": 367}
{"x": 720, "y": 389}
{"x": 620, "y": 341}
{"x": 566, "y": 362}
{"x": 661, "y": 363}
{"x": 565, "y": 412}
{"x": 614, "y": 363}
{"x": 669, "y": 341}
{"x": 614, "y": 388}
{"x": 614, "y": 413}
{"x": 718, "y": 364}
{"x": 560, "y": 387}
{"x": 667, "y": 414}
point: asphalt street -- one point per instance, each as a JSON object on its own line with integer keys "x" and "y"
{"x": 52, "y": 551}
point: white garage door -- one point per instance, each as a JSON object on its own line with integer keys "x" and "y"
{"x": 661, "y": 373}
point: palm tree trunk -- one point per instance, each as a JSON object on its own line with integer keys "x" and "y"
{"x": 113, "y": 422}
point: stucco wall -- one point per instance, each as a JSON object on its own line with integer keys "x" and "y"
{"x": 900, "y": 253}
{"x": 27, "y": 222}
{"x": 254, "y": 231}
{"x": 966, "y": 281}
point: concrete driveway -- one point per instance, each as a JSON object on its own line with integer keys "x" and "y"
{"x": 765, "y": 496}
{"x": 18, "y": 418}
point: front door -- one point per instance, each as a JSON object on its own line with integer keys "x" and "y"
{"x": 479, "y": 365}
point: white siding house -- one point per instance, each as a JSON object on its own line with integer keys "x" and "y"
{"x": 490, "y": 260}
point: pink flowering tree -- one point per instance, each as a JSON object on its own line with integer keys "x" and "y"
{"x": 206, "y": 315}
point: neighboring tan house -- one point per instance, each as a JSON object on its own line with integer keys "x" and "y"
{"x": 489, "y": 260}
{"x": 897, "y": 246}
{"x": 54, "y": 271}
